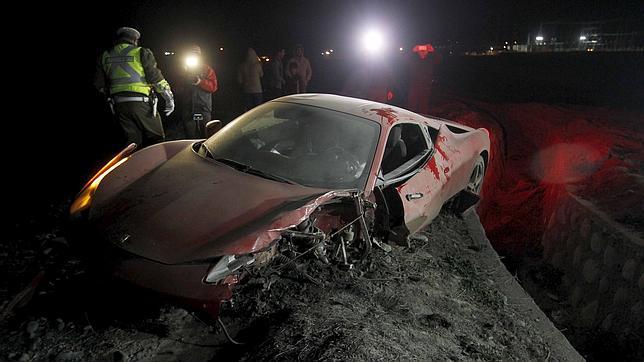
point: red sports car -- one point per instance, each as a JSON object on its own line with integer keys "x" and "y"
{"x": 312, "y": 174}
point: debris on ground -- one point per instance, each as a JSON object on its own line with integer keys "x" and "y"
{"x": 444, "y": 296}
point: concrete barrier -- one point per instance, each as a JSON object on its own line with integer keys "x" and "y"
{"x": 602, "y": 263}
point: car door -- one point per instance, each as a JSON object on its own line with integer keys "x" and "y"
{"x": 454, "y": 159}
{"x": 415, "y": 179}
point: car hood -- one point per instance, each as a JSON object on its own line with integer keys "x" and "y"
{"x": 190, "y": 209}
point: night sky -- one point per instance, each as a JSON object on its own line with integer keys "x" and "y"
{"x": 324, "y": 24}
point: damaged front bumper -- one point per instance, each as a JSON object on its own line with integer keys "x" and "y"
{"x": 181, "y": 283}
{"x": 332, "y": 227}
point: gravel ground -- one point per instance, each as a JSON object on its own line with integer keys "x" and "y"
{"x": 445, "y": 297}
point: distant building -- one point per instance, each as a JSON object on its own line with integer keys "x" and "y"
{"x": 603, "y": 35}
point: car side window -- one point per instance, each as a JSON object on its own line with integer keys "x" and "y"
{"x": 405, "y": 142}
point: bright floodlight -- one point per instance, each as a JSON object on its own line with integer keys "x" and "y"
{"x": 373, "y": 41}
{"x": 582, "y": 38}
{"x": 539, "y": 38}
{"x": 192, "y": 61}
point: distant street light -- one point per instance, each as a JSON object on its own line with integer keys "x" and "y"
{"x": 582, "y": 38}
{"x": 373, "y": 41}
{"x": 539, "y": 38}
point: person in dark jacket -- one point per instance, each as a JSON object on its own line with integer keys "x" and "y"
{"x": 201, "y": 82}
{"x": 421, "y": 78}
{"x": 249, "y": 76}
{"x": 275, "y": 81}
{"x": 127, "y": 74}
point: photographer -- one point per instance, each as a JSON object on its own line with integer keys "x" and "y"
{"x": 202, "y": 83}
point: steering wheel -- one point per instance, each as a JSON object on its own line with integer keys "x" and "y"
{"x": 348, "y": 165}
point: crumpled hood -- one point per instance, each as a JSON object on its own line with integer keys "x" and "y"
{"x": 191, "y": 208}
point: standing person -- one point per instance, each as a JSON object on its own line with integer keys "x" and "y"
{"x": 276, "y": 81}
{"x": 201, "y": 81}
{"x": 127, "y": 74}
{"x": 298, "y": 69}
{"x": 421, "y": 77}
{"x": 249, "y": 77}
{"x": 292, "y": 79}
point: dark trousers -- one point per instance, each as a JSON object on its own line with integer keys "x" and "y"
{"x": 272, "y": 93}
{"x": 418, "y": 99}
{"x": 194, "y": 125}
{"x": 138, "y": 123}
{"x": 251, "y": 100}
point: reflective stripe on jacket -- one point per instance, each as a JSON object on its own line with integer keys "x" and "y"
{"x": 124, "y": 70}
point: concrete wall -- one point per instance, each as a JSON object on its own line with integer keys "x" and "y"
{"x": 602, "y": 264}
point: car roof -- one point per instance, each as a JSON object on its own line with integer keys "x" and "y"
{"x": 385, "y": 114}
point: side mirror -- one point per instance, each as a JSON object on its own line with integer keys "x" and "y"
{"x": 213, "y": 127}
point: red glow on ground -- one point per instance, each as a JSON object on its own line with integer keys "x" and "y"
{"x": 566, "y": 163}
{"x": 539, "y": 153}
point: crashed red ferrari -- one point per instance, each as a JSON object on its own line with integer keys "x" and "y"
{"x": 304, "y": 176}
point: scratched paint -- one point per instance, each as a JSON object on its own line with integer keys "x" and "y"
{"x": 386, "y": 113}
{"x": 434, "y": 168}
{"x": 440, "y": 150}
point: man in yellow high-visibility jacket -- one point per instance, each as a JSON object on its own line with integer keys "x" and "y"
{"x": 128, "y": 75}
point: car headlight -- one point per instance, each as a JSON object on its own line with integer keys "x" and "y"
{"x": 227, "y": 265}
{"x": 84, "y": 198}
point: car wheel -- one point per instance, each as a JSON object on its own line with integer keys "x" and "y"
{"x": 476, "y": 179}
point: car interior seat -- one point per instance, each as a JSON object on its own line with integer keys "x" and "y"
{"x": 395, "y": 151}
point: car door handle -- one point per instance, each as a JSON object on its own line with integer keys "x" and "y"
{"x": 415, "y": 196}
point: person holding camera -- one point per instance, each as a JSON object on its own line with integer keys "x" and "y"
{"x": 201, "y": 80}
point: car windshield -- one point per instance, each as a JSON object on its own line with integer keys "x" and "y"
{"x": 308, "y": 145}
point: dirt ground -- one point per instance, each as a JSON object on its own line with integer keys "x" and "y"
{"x": 445, "y": 297}
{"x": 540, "y": 150}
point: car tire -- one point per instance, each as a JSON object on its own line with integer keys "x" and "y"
{"x": 475, "y": 183}
{"x": 468, "y": 197}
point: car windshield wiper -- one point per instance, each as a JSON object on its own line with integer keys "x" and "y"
{"x": 253, "y": 171}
